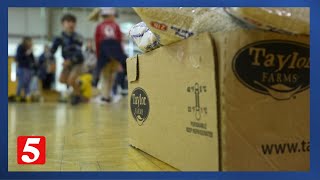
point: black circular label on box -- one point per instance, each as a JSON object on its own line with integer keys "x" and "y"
{"x": 277, "y": 68}
{"x": 140, "y": 106}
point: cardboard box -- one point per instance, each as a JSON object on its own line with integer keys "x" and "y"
{"x": 230, "y": 101}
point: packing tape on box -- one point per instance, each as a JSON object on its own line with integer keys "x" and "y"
{"x": 170, "y": 25}
{"x": 288, "y": 20}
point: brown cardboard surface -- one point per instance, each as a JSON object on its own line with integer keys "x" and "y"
{"x": 251, "y": 119}
{"x": 189, "y": 109}
{"x": 165, "y": 76}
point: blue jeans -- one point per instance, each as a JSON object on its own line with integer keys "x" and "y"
{"x": 121, "y": 79}
{"x": 24, "y": 79}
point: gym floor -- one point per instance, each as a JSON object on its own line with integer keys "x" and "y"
{"x": 88, "y": 137}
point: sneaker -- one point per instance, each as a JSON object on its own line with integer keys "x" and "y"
{"x": 116, "y": 98}
{"x": 124, "y": 92}
{"x": 28, "y": 99}
{"x": 75, "y": 100}
{"x": 100, "y": 100}
{"x": 107, "y": 100}
{"x": 18, "y": 99}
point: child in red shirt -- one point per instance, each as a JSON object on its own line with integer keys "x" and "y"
{"x": 110, "y": 53}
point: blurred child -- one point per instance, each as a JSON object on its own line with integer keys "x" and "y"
{"x": 47, "y": 68}
{"x": 85, "y": 84}
{"x": 109, "y": 51}
{"x": 34, "y": 83}
{"x": 71, "y": 44}
{"x": 26, "y": 62}
{"x": 90, "y": 58}
{"x": 85, "y": 79}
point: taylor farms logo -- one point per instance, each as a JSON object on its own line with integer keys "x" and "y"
{"x": 139, "y": 105}
{"x": 276, "y": 68}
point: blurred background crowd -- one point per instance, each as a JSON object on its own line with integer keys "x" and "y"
{"x": 69, "y": 54}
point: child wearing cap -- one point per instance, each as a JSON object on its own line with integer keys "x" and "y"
{"x": 110, "y": 53}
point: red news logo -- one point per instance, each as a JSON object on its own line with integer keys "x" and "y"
{"x": 31, "y": 150}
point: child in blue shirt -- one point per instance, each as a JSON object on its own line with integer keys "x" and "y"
{"x": 26, "y": 64}
{"x": 71, "y": 44}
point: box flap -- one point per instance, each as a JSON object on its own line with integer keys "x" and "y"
{"x": 133, "y": 69}
{"x": 176, "y": 96}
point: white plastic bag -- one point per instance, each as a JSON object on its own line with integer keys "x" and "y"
{"x": 143, "y": 37}
{"x": 174, "y": 24}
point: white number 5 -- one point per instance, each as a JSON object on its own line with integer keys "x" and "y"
{"x": 31, "y": 149}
